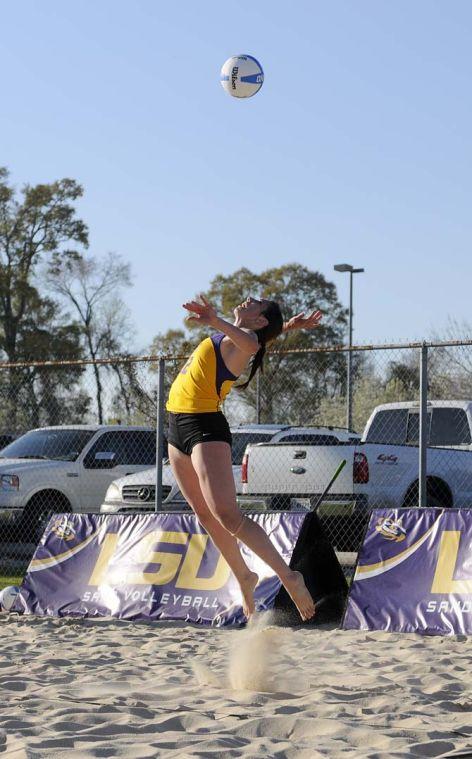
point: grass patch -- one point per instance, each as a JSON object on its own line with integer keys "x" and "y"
{"x": 6, "y": 580}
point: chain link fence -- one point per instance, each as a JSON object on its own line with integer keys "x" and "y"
{"x": 86, "y": 436}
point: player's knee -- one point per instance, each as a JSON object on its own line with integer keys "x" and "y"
{"x": 200, "y": 509}
{"x": 231, "y": 520}
{"x": 199, "y": 513}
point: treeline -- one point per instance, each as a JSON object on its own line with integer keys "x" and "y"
{"x": 58, "y": 302}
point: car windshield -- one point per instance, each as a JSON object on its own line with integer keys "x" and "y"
{"x": 242, "y": 439}
{"x": 63, "y": 445}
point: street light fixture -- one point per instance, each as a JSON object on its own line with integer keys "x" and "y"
{"x": 348, "y": 268}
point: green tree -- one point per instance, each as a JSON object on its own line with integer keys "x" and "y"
{"x": 33, "y": 395}
{"x": 390, "y": 381}
{"x": 37, "y": 227}
{"x": 406, "y": 374}
{"x": 292, "y": 386}
{"x": 370, "y": 391}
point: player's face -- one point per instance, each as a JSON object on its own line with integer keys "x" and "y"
{"x": 250, "y": 309}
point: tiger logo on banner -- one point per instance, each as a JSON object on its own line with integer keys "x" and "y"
{"x": 414, "y": 573}
{"x": 391, "y": 529}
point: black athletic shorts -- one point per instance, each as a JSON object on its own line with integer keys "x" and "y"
{"x": 186, "y": 430}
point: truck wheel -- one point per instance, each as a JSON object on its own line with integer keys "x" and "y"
{"x": 435, "y": 502}
{"x": 37, "y": 512}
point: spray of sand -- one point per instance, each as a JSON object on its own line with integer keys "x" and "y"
{"x": 257, "y": 660}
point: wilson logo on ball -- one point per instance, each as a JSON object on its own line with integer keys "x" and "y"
{"x": 242, "y": 76}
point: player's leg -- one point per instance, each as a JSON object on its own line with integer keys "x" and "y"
{"x": 212, "y": 463}
{"x": 187, "y": 480}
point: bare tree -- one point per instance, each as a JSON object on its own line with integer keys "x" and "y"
{"x": 450, "y": 367}
{"x": 93, "y": 287}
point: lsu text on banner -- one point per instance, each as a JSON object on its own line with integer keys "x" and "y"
{"x": 146, "y": 567}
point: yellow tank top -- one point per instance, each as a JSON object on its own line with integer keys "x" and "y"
{"x": 203, "y": 382}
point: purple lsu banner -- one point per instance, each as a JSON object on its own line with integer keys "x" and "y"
{"x": 414, "y": 573}
{"x": 146, "y": 567}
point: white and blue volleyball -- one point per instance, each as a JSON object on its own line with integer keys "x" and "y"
{"x": 242, "y": 76}
{"x": 8, "y": 597}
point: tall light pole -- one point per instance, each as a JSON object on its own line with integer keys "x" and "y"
{"x": 351, "y": 270}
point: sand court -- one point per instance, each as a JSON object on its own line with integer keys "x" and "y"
{"x": 87, "y": 688}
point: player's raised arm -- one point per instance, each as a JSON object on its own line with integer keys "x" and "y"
{"x": 204, "y": 313}
{"x": 302, "y": 321}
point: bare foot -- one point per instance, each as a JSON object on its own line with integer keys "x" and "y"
{"x": 247, "y": 586}
{"x": 300, "y": 595}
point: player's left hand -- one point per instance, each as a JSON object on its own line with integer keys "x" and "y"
{"x": 301, "y": 321}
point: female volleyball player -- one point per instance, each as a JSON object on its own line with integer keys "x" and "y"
{"x": 200, "y": 439}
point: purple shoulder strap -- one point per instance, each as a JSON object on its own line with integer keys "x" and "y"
{"x": 222, "y": 371}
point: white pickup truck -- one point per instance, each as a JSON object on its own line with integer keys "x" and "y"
{"x": 381, "y": 471}
{"x": 67, "y": 468}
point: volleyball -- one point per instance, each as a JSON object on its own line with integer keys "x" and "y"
{"x": 8, "y": 597}
{"x": 242, "y": 76}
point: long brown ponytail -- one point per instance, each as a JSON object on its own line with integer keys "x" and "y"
{"x": 271, "y": 330}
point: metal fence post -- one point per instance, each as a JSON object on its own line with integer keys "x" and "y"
{"x": 159, "y": 433}
{"x": 423, "y": 436}
{"x": 349, "y": 363}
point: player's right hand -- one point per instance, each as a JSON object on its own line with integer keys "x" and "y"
{"x": 202, "y": 312}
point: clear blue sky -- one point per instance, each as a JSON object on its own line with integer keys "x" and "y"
{"x": 357, "y": 149}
